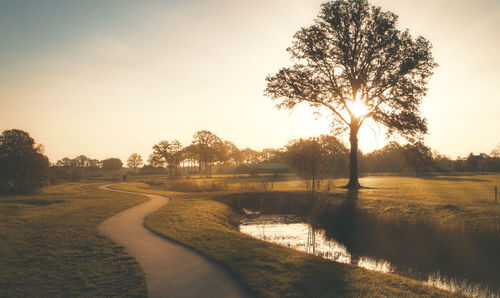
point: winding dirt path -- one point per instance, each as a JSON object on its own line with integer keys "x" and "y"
{"x": 171, "y": 269}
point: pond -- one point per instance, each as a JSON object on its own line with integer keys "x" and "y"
{"x": 338, "y": 230}
{"x": 292, "y": 231}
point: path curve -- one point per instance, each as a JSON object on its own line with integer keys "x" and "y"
{"x": 171, "y": 270}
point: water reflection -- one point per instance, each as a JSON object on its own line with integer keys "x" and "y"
{"x": 292, "y": 231}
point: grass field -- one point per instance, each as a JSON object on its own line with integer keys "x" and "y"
{"x": 50, "y": 247}
{"x": 270, "y": 270}
{"x": 459, "y": 200}
{"x": 465, "y": 201}
{"x": 49, "y": 244}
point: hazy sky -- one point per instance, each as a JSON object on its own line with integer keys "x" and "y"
{"x": 109, "y": 78}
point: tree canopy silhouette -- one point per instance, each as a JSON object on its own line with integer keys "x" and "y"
{"x": 23, "y": 167}
{"x": 134, "y": 161}
{"x": 208, "y": 147}
{"x": 353, "y": 55}
{"x": 170, "y": 153}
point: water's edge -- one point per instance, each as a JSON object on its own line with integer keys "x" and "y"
{"x": 295, "y": 232}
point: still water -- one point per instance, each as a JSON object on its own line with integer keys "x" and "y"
{"x": 294, "y": 232}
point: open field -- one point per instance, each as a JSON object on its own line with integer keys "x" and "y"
{"x": 455, "y": 210}
{"x": 49, "y": 245}
{"x": 270, "y": 270}
{"x": 461, "y": 200}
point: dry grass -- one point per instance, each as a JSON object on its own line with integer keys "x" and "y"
{"x": 50, "y": 246}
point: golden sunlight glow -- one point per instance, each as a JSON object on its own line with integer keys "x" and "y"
{"x": 358, "y": 108}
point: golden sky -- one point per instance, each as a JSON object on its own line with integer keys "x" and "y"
{"x": 109, "y": 78}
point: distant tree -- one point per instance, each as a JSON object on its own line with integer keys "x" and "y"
{"x": 134, "y": 161}
{"x": 171, "y": 153}
{"x": 494, "y": 160}
{"x": 208, "y": 148}
{"x": 390, "y": 158}
{"x": 64, "y": 162}
{"x": 81, "y": 161}
{"x": 477, "y": 162}
{"x": 112, "y": 166}
{"x": 336, "y": 153}
{"x": 496, "y": 152}
{"x": 250, "y": 155}
{"x": 309, "y": 158}
{"x": 354, "y": 62}
{"x": 175, "y": 158}
{"x": 222, "y": 157}
{"x": 418, "y": 156}
{"x": 191, "y": 156}
{"x": 269, "y": 155}
{"x": 94, "y": 163}
{"x": 441, "y": 163}
{"x": 156, "y": 160}
{"x": 67, "y": 169}
{"x": 23, "y": 167}
{"x": 234, "y": 155}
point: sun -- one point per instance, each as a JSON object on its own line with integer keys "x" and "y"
{"x": 358, "y": 108}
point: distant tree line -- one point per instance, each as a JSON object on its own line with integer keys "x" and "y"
{"x": 420, "y": 158}
{"x": 74, "y": 169}
{"x": 206, "y": 154}
{"x": 24, "y": 167}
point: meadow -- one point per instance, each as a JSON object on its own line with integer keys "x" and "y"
{"x": 50, "y": 246}
{"x": 456, "y": 208}
{"x": 197, "y": 220}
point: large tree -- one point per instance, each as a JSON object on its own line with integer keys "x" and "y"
{"x": 23, "y": 167}
{"x": 354, "y": 62}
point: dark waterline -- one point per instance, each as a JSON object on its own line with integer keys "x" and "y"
{"x": 294, "y": 232}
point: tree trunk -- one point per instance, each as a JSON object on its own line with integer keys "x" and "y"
{"x": 353, "y": 158}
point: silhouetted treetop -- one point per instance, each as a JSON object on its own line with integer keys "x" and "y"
{"x": 134, "y": 161}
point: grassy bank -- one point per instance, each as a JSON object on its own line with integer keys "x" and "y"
{"x": 50, "y": 246}
{"x": 464, "y": 201}
{"x": 456, "y": 200}
{"x": 270, "y": 270}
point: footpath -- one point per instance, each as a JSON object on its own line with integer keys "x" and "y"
{"x": 172, "y": 270}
